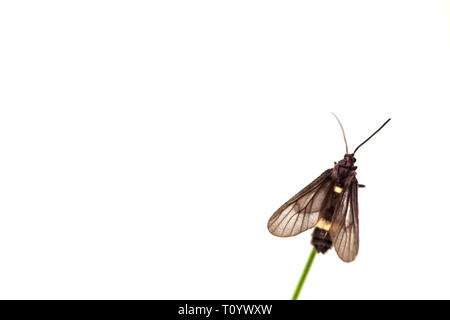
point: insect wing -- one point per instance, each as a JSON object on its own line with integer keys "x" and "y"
{"x": 301, "y": 212}
{"x": 344, "y": 230}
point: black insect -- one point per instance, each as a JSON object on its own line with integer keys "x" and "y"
{"x": 330, "y": 204}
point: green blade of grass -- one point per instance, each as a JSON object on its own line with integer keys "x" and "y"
{"x": 304, "y": 274}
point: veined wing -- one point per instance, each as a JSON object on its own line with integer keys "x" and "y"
{"x": 301, "y": 212}
{"x": 344, "y": 230}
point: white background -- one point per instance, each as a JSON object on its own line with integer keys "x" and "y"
{"x": 144, "y": 145}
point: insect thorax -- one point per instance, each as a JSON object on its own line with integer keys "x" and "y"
{"x": 344, "y": 169}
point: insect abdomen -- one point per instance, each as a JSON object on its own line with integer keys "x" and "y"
{"x": 321, "y": 240}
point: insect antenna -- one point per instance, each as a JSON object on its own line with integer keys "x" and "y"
{"x": 372, "y": 135}
{"x": 343, "y": 133}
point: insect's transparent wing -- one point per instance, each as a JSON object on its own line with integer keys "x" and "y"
{"x": 301, "y": 212}
{"x": 344, "y": 230}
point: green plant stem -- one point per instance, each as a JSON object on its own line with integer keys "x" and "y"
{"x": 304, "y": 274}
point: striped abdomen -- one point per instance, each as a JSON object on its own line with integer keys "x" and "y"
{"x": 321, "y": 239}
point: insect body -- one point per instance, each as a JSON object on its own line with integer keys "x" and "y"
{"x": 330, "y": 204}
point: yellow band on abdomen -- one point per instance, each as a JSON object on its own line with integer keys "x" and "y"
{"x": 323, "y": 224}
